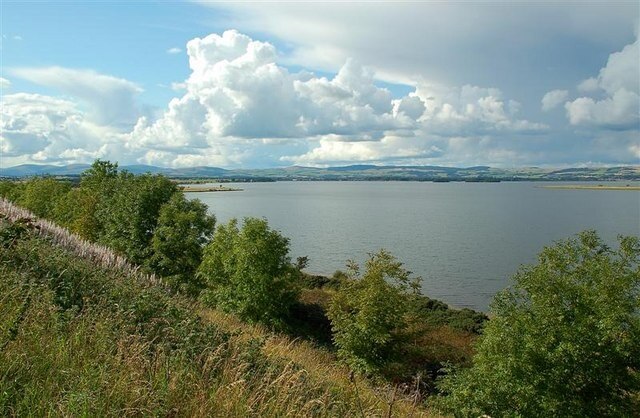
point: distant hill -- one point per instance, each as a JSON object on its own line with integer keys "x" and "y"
{"x": 27, "y": 170}
{"x": 351, "y": 172}
{"x": 40, "y": 170}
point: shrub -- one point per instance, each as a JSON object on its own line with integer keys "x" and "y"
{"x": 248, "y": 271}
{"x": 564, "y": 339}
{"x": 77, "y": 212}
{"x": 183, "y": 229}
{"x": 40, "y": 195}
{"x": 130, "y": 215}
{"x": 368, "y": 313}
{"x": 11, "y": 190}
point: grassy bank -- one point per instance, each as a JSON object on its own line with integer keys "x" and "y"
{"x": 80, "y": 338}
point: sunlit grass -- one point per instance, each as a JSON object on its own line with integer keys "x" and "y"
{"x": 84, "y": 333}
{"x": 99, "y": 254}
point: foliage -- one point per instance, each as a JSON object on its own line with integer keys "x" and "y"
{"x": 41, "y": 194}
{"x": 77, "y": 212}
{"x": 11, "y": 190}
{"x": 316, "y": 281}
{"x": 81, "y": 211}
{"x": 564, "y": 340}
{"x": 248, "y": 272}
{"x": 144, "y": 218}
{"x": 436, "y": 313}
{"x": 11, "y": 232}
{"x": 78, "y": 339}
{"x": 183, "y": 229}
{"x": 99, "y": 174}
{"x": 130, "y": 215}
{"x": 368, "y": 314}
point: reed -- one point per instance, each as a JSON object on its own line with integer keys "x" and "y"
{"x": 96, "y": 253}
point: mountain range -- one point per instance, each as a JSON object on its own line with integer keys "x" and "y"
{"x": 351, "y": 172}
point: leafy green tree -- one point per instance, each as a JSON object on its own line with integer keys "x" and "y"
{"x": 248, "y": 271}
{"x": 99, "y": 175}
{"x": 564, "y": 340}
{"x": 129, "y": 216}
{"x": 78, "y": 210}
{"x": 11, "y": 190}
{"x": 184, "y": 227}
{"x": 369, "y": 312}
{"x": 41, "y": 194}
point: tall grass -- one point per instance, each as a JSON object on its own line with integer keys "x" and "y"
{"x": 84, "y": 333}
{"x": 96, "y": 253}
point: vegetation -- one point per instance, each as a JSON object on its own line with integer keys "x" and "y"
{"x": 41, "y": 195}
{"x": 563, "y": 341}
{"x": 144, "y": 218}
{"x": 248, "y": 272}
{"x": 129, "y": 214}
{"x": 151, "y": 310}
{"x": 77, "y": 339}
{"x": 369, "y": 313}
{"x": 11, "y": 190}
{"x": 176, "y": 246}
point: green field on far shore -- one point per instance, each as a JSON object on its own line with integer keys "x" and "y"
{"x": 592, "y": 187}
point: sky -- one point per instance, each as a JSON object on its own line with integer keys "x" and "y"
{"x": 264, "y": 84}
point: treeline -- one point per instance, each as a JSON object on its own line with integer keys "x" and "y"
{"x": 145, "y": 218}
{"x": 564, "y": 340}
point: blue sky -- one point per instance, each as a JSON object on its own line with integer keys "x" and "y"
{"x": 276, "y": 84}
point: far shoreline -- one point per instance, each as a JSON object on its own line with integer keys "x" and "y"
{"x": 590, "y": 187}
{"x": 202, "y": 189}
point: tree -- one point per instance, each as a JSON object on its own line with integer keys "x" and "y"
{"x": 100, "y": 173}
{"x": 41, "y": 194}
{"x": 564, "y": 340}
{"x": 79, "y": 209}
{"x": 129, "y": 216}
{"x": 184, "y": 227}
{"x": 368, "y": 314}
{"x": 248, "y": 271}
{"x": 11, "y": 189}
{"x": 77, "y": 212}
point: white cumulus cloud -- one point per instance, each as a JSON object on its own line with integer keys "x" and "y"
{"x": 237, "y": 95}
{"x": 240, "y": 107}
{"x": 4, "y": 83}
{"x": 49, "y": 129}
{"x": 619, "y": 83}
{"x": 111, "y": 100}
{"x": 552, "y": 99}
{"x": 332, "y": 150}
{"x": 471, "y": 111}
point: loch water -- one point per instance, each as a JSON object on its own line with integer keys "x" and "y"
{"x": 465, "y": 240}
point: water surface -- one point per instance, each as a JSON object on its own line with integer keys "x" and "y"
{"x": 464, "y": 239}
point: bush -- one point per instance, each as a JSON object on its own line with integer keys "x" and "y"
{"x": 317, "y": 281}
{"x": 183, "y": 229}
{"x": 368, "y": 313}
{"x": 564, "y": 340}
{"x": 248, "y": 271}
{"x": 130, "y": 215}
{"x": 435, "y": 313}
{"x": 40, "y": 195}
{"x": 144, "y": 218}
{"x": 11, "y": 190}
{"x": 76, "y": 211}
